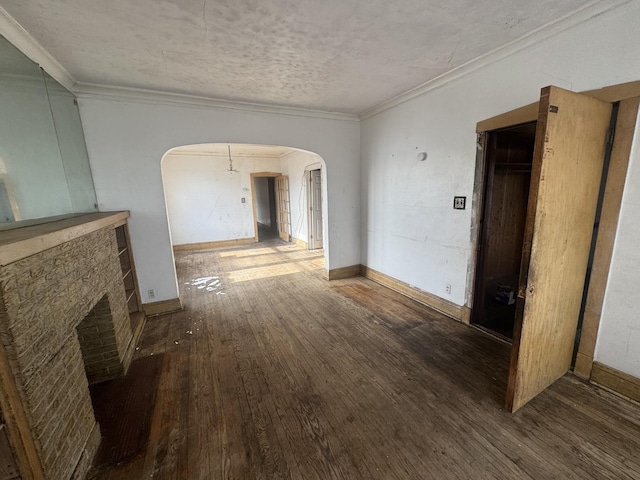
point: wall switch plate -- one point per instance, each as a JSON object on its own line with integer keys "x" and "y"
{"x": 243, "y": 200}
{"x": 459, "y": 203}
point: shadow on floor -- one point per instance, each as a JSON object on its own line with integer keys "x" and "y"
{"x": 123, "y": 408}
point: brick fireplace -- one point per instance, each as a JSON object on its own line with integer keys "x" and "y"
{"x": 64, "y": 323}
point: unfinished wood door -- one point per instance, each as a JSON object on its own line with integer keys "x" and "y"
{"x": 568, "y": 157}
{"x": 282, "y": 201}
{"x": 315, "y": 209}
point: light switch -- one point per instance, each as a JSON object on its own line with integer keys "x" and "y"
{"x": 459, "y": 203}
{"x": 243, "y": 200}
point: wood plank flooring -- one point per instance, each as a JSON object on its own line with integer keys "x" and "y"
{"x": 271, "y": 372}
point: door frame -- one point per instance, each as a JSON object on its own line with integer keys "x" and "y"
{"x": 629, "y": 97}
{"x": 253, "y": 198}
{"x": 310, "y": 218}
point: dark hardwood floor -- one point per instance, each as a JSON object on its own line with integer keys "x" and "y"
{"x": 272, "y": 372}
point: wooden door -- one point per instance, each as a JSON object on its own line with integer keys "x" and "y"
{"x": 315, "y": 209}
{"x": 282, "y": 201}
{"x": 568, "y": 157}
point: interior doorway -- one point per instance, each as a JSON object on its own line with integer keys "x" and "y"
{"x": 314, "y": 200}
{"x": 271, "y": 206}
{"x": 266, "y": 212}
{"x": 507, "y": 180}
{"x": 553, "y": 239}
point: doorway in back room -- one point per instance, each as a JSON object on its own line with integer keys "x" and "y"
{"x": 221, "y": 195}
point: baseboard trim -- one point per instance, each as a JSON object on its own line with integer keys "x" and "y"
{"x": 343, "y": 272}
{"x": 218, "y": 244}
{"x": 616, "y": 381}
{"x": 450, "y": 309}
{"x": 162, "y": 307}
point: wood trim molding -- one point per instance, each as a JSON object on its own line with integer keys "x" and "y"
{"x": 616, "y": 93}
{"x": 18, "y": 430}
{"x": 450, "y": 309}
{"x": 343, "y": 272}
{"x": 526, "y": 114}
{"x": 26, "y": 241}
{"x": 616, "y": 381}
{"x": 162, "y": 307}
{"x": 217, "y": 244}
{"x": 612, "y": 202}
{"x": 23, "y": 41}
{"x": 529, "y": 113}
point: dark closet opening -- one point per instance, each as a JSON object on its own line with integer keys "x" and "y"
{"x": 508, "y": 162}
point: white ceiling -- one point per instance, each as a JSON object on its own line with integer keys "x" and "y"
{"x": 332, "y": 55}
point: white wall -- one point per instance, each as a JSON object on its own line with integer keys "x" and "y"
{"x": 409, "y": 228}
{"x": 127, "y": 138}
{"x": 619, "y": 336}
{"x": 204, "y": 203}
{"x": 263, "y": 205}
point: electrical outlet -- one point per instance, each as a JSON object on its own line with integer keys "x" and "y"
{"x": 152, "y": 293}
{"x": 447, "y": 288}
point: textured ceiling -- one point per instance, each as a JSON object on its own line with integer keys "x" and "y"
{"x": 332, "y": 55}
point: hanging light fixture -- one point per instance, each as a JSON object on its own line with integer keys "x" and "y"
{"x": 230, "y": 170}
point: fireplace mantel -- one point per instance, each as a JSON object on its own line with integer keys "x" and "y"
{"x": 64, "y": 323}
{"x": 23, "y": 242}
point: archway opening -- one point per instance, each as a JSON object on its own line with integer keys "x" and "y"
{"x": 220, "y": 195}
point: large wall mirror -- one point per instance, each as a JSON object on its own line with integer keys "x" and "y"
{"x": 44, "y": 166}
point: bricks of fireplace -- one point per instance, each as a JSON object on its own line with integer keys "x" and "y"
{"x": 64, "y": 319}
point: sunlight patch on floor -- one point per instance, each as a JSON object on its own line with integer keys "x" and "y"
{"x": 287, "y": 268}
{"x": 248, "y": 252}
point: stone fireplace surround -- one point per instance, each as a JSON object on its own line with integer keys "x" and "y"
{"x": 64, "y": 323}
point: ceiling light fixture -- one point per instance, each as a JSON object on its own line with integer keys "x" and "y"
{"x": 230, "y": 170}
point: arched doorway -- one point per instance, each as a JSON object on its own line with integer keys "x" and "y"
{"x": 215, "y": 196}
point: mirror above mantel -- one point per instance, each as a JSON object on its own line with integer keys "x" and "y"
{"x": 44, "y": 166}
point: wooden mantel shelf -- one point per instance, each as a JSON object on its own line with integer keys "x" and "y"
{"x": 23, "y": 242}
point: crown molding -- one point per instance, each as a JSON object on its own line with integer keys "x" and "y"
{"x": 589, "y": 11}
{"x": 141, "y": 95}
{"x": 204, "y": 153}
{"x": 23, "y": 41}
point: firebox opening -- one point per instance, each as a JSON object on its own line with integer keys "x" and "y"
{"x": 97, "y": 338}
